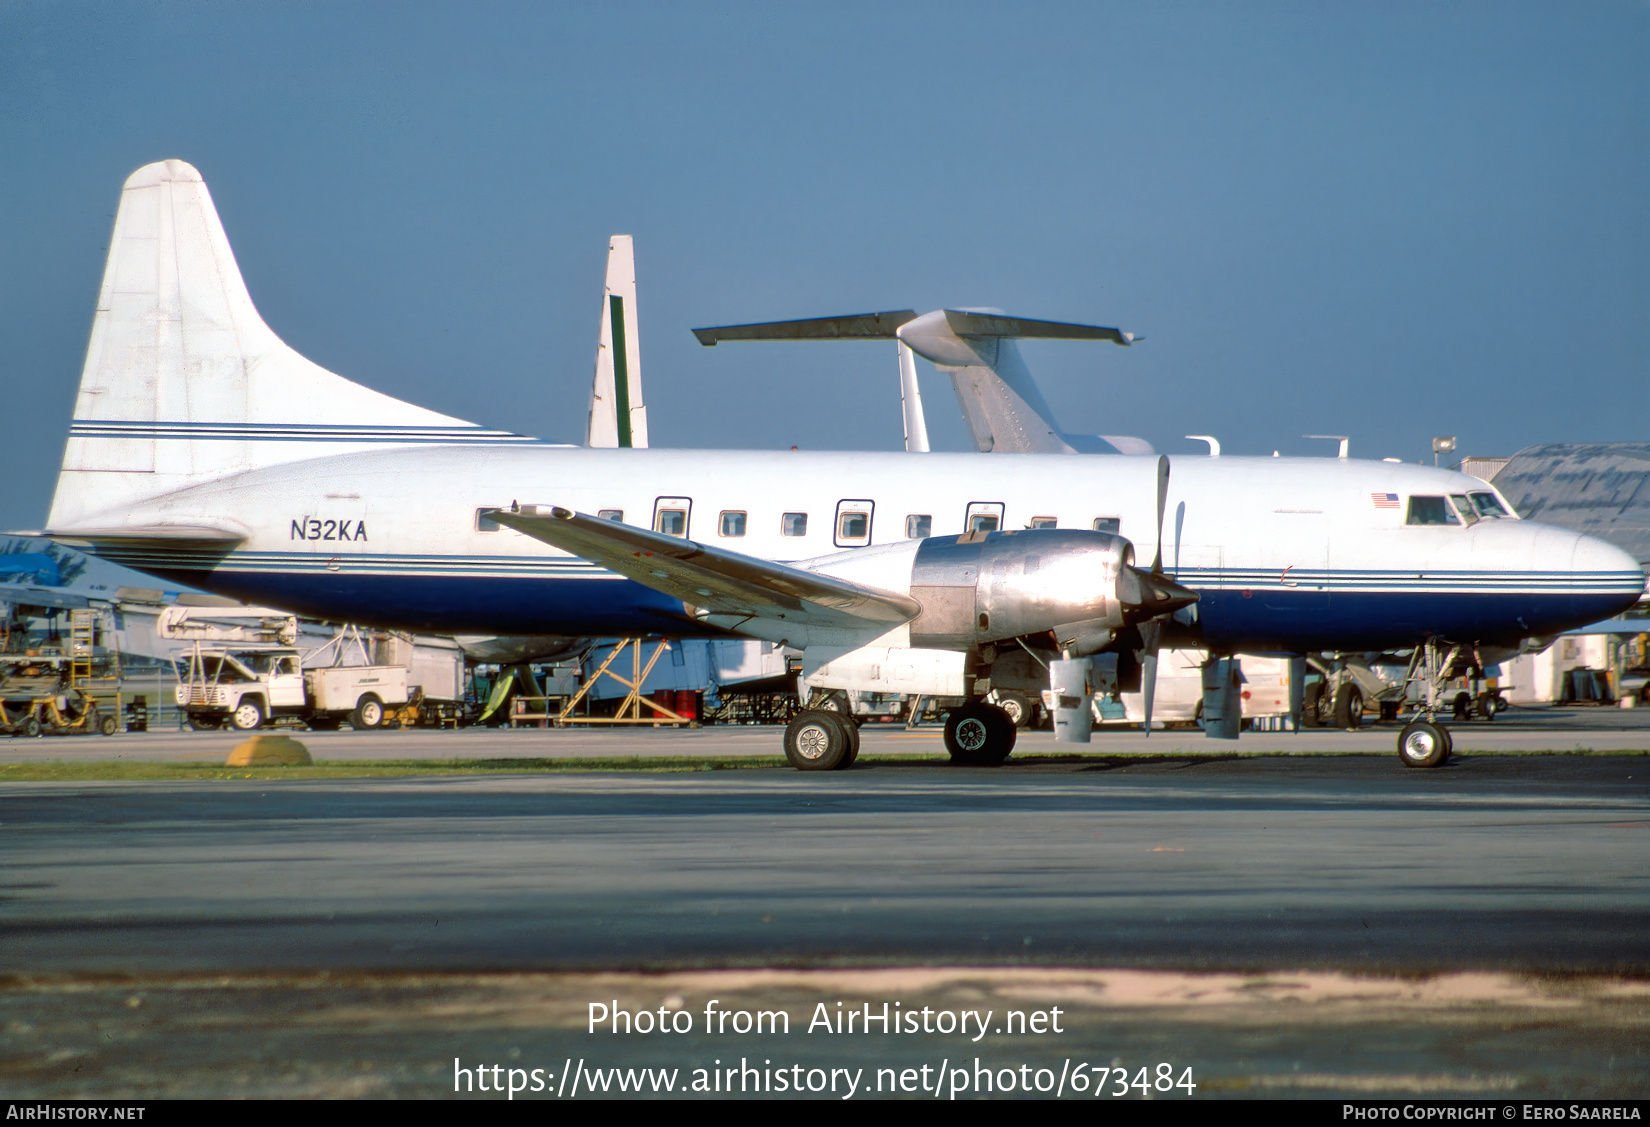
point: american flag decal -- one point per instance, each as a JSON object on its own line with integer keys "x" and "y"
{"x": 1384, "y": 500}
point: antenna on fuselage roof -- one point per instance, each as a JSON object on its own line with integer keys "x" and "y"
{"x": 1346, "y": 443}
{"x": 618, "y": 417}
{"x": 1001, "y": 403}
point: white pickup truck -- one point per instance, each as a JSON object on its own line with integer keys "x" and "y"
{"x": 248, "y": 687}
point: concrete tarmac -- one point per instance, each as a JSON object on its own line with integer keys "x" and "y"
{"x": 1530, "y": 863}
{"x": 1317, "y": 925}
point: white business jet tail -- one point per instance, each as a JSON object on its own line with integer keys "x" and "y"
{"x": 1001, "y": 403}
{"x": 618, "y": 417}
{"x": 184, "y": 382}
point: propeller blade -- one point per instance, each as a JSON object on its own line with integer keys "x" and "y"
{"x": 1151, "y": 633}
{"x": 1162, "y": 503}
{"x": 1157, "y": 596}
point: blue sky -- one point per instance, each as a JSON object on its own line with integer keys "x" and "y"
{"x": 1385, "y": 220}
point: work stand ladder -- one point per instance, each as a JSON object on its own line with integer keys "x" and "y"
{"x": 630, "y": 709}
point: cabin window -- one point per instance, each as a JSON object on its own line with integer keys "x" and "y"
{"x": 918, "y": 526}
{"x": 733, "y": 523}
{"x": 1045, "y": 522}
{"x": 1431, "y": 510}
{"x": 1489, "y": 506}
{"x": 484, "y": 520}
{"x": 794, "y": 524}
{"x": 611, "y": 514}
{"x": 1464, "y": 507}
{"x": 1112, "y": 525}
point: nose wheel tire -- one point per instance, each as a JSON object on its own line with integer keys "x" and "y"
{"x": 1424, "y": 744}
{"x": 818, "y": 740}
{"x": 979, "y": 735}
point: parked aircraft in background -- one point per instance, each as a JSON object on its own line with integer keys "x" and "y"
{"x": 618, "y": 417}
{"x": 1002, "y": 405}
{"x": 204, "y": 449}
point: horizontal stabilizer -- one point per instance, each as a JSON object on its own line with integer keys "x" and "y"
{"x": 855, "y": 326}
{"x": 970, "y": 324}
{"x": 712, "y": 579}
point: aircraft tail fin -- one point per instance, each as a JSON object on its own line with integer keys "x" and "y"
{"x": 618, "y": 417}
{"x": 1001, "y": 403}
{"x": 184, "y": 382}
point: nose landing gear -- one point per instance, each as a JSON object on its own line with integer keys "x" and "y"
{"x": 1424, "y": 742}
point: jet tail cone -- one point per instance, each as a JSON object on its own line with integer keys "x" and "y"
{"x": 1152, "y": 594}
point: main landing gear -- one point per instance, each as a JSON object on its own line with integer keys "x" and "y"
{"x": 819, "y": 739}
{"x": 979, "y": 735}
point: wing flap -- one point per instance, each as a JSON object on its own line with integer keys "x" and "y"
{"x": 711, "y": 579}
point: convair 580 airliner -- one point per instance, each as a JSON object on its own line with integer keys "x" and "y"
{"x": 206, "y": 451}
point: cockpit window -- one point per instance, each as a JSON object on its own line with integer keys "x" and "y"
{"x": 1464, "y": 507}
{"x": 1431, "y": 510}
{"x": 1489, "y": 506}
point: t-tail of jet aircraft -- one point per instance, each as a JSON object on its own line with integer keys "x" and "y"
{"x": 1001, "y": 403}
{"x": 206, "y": 451}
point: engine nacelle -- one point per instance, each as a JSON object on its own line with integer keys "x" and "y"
{"x": 988, "y": 587}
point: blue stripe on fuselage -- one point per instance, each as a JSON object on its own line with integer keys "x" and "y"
{"x": 467, "y": 605}
{"x": 1288, "y": 619}
{"x": 1304, "y": 621}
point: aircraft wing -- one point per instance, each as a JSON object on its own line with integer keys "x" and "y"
{"x": 712, "y": 579}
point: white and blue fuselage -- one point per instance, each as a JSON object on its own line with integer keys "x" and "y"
{"x": 1286, "y": 554}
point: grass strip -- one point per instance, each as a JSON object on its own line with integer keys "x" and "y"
{"x": 116, "y": 770}
{"x": 120, "y": 769}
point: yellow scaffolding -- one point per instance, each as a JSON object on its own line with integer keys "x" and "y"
{"x": 630, "y": 709}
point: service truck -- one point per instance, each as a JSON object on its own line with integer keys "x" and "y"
{"x": 249, "y": 686}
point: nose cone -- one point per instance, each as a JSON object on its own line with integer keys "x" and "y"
{"x": 1145, "y": 595}
{"x": 1590, "y": 554}
{"x": 1598, "y": 579}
